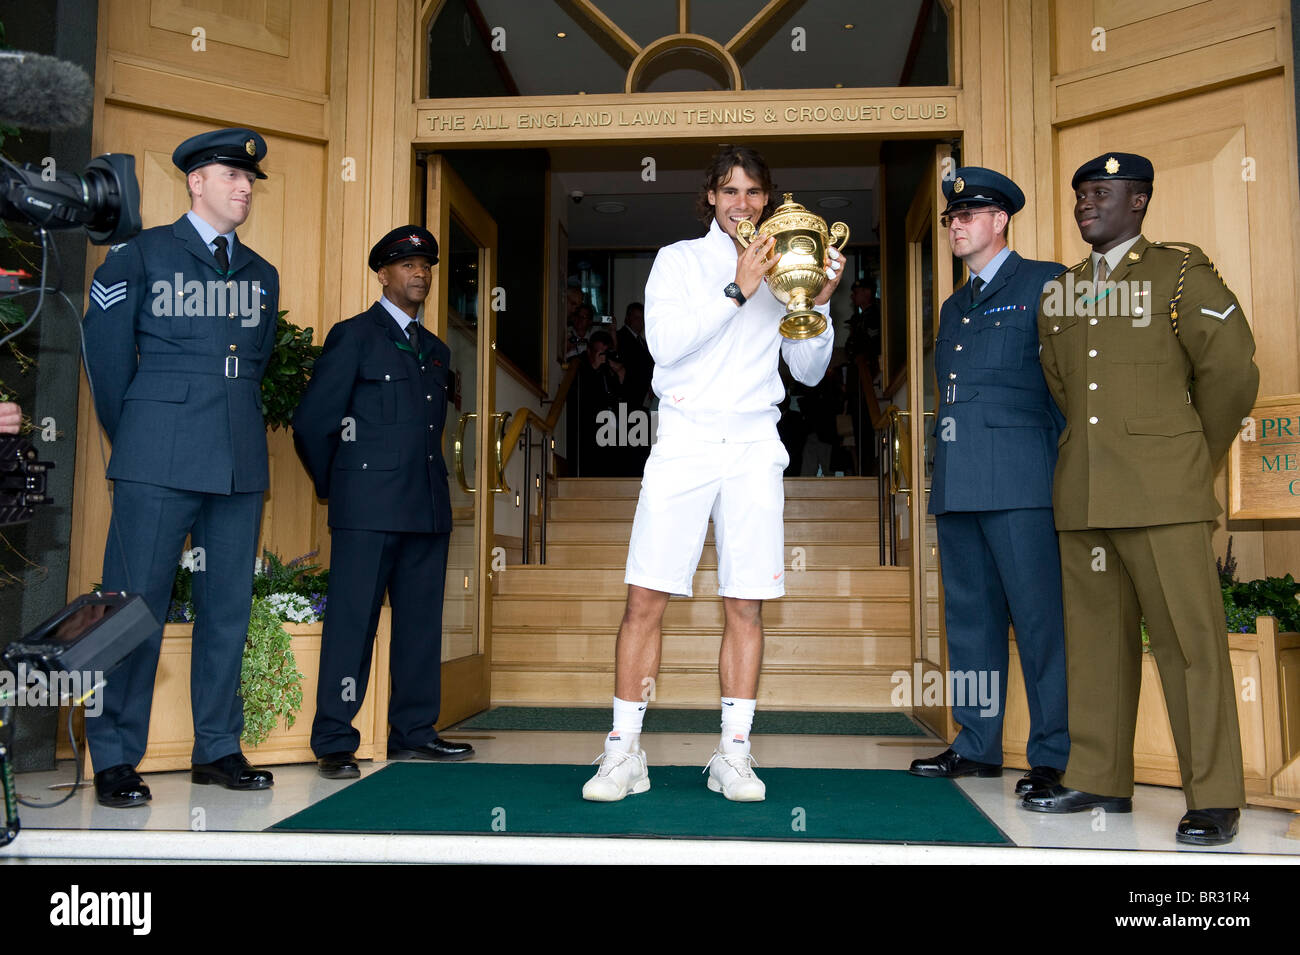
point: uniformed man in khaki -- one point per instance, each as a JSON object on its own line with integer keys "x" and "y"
{"x": 1149, "y": 356}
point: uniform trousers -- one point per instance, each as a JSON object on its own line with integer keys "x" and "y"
{"x": 1112, "y": 577}
{"x": 145, "y": 539}
{"x": 412, "y": 568}
{"x": 1001, "y": 566}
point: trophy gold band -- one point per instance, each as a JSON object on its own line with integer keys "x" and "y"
{"x": 799, "y": 272}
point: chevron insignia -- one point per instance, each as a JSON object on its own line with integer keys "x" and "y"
{"x": 1221, "y": 316}
{"x": 106, "y": 296}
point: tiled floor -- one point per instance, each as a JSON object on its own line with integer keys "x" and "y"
{"x": 206, "y": 822}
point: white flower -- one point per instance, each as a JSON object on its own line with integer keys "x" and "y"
{"x": 292, "y": 607}
{"x": 187, "y": 560}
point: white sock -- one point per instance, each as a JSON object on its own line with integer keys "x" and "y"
{"x": 626, "y": 734}
{"x": 737, "y": 718}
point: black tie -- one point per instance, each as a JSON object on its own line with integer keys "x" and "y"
{"x": 412, "y": 332}
{"x": 976, "y": 284}
{"x": 223, "y": 260}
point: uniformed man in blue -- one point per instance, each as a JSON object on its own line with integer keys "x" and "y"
{"x": 1154, "y": 369}
{"x": 369, "y": 430}
{"x": 992, "y": 490}
{"x": 180, "y": 325}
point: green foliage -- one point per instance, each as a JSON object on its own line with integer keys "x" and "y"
{"x": 269, "y": 682}
{"x": 1268, "y": 597}
{"x": 287, "y": 372}
{"x": 296, "y": 577}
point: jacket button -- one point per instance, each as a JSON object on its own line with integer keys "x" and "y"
{"x": 232, "y": 347}
{"x": 388, "y": 377}
{"x": 958, "y": 348}
{"x": 952, "y": 374}
{"x": 1092, "y": 321}
{"x": 997, "y": 323}
{"x": 1092, "y": 420}
{"x": 1056, "y": 328}
{"x": 1092, "y": 353}
{"x": 1092, "y": 386}
{"x": 431, "y": 457}
{"x": 428, "y": 397}
{"x": 1137, "y": 310}
{"x": 965, "y": 321}
{"x": 364, "y": 466}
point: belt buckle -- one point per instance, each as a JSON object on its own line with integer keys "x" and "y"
{"x": 235, "y": 373}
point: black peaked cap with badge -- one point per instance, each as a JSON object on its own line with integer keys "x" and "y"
{"x": 240, "y": 148}
{"x": 402, "y": 243}
{"x": 1114, "y": 166}
{"x": 977, "y": 186}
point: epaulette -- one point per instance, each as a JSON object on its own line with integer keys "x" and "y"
{"x": 1079, "y": 267}
{"x": 1191, "y": 251}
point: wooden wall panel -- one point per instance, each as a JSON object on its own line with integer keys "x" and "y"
{"x": 1137, "y": 30}
{"x": 275, "y": 46}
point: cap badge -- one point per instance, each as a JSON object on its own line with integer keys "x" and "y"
{"x": 250, "y": 147}
{"x": 959, "y": 185}
{"x": 1112, "y": 165}
{"x": 1133, "y": 256}
{"x": 414, "y": 239}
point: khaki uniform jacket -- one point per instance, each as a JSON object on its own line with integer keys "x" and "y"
{"x": 1149, "y": 413}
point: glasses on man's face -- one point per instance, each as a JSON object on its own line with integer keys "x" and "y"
{"x": 963, "y": 216}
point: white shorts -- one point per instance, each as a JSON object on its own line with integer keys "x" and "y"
{"x": 740, "y": 486}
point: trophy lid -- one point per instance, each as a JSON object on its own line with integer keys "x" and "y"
{"x": 792, "y": 215}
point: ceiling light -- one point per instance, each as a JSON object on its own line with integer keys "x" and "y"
{"x": 561, "y": 34}
{"x": 609, "y": 207}
{"x": 848, "y": 26}
{"x": 834, "y": 202}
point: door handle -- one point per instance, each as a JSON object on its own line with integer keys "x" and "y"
{"x": 499, "y": 485}
{"x": 459, "y": 452}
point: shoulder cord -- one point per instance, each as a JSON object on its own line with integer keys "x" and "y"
{"x": 1178, "y": 294}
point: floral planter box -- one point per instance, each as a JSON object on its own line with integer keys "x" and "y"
{"x": 171, "y": 727}
{"x": 1266, "y": 668}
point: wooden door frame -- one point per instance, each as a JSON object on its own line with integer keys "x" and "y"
{"x": 467, "y": 681}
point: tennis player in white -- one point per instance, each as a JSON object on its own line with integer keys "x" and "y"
{"x": 711, "y": 324}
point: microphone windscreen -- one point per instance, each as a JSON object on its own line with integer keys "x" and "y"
{"x": 43, "y": 92}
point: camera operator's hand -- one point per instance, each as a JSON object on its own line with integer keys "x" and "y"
{"x": 619, "y": 369}
{"x": 834, "y": 272}
{"x": 752, "y": 264}
{"x": 11, "y": 417}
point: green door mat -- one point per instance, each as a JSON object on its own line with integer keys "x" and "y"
{"x": 592, "y": 719}
{"x": 817, "y": 805}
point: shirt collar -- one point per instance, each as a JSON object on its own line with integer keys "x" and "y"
{"x": 991, "y": 269}
{"x": 720, "y": 239}
{"x": 208, "y": 233}
{"x": 399, "y": 316}
{"x": 1114, "y": 256}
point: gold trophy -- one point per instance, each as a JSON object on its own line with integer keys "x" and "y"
{"x": 799, "y": 273}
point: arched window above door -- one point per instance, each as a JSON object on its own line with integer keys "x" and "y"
{"x": 479, "y": 48}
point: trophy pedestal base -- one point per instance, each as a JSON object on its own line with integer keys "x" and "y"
{"x": 802, "y": 324}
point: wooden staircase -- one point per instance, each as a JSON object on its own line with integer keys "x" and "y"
{"x": 834, "y": 640}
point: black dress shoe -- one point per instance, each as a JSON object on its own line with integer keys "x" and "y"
{"x": 233, "y": 772}
{"x": 339, "y": 766}
{"x": 120, "y": 787}
{"x": 1038, "y": 777}
{"x": 438, "y": 749}
{"x": 1208, "y": 827}
{"x": 1063, "y": 799}
{"x": 949, "y": 765}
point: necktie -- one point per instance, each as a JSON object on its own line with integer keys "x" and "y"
{"x": 1103, "y": 270}
{"x": 976, "y": 285}
{"x": 412, "y": 332}
{"x": 223, "y": 260}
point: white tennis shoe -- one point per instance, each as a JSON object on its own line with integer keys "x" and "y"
{"x": 732, "y": 774}
{"x": 620, "y": 774}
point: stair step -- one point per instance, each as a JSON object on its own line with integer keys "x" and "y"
{"x": 795, "y": 488}
{"x": 804, "y": 532}
{"x": 594, "y": 649}
{"x": 857, "y": 688}
{"x": 612, "y": 552}
{"x": 794, "y": 614}
{"x": 556, "y": 581}
{"x": 824, "y": 509}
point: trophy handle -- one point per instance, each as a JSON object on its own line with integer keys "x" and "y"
{"x": 745, "y": 232}
{"x": 839, "y": 235}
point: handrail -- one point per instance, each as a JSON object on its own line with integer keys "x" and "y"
{"x": 526, "y": 416}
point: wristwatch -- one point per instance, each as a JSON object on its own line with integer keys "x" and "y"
{"x": 733, "y": 291}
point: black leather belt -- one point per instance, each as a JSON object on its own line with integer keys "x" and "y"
{"x": 228, "y": 367}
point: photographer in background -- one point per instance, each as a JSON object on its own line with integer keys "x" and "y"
{"x": 601, "y": 388}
